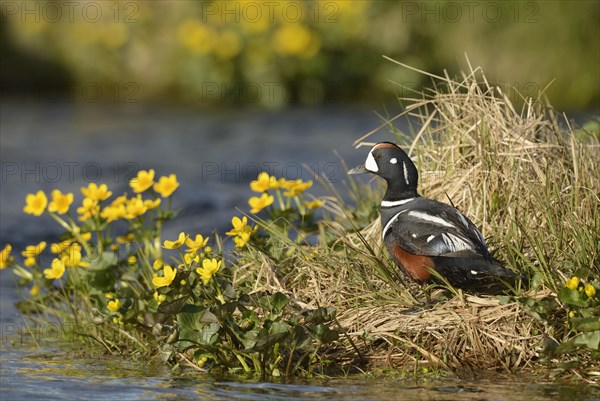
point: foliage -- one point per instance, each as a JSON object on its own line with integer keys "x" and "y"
{"x": 277, "y": 53}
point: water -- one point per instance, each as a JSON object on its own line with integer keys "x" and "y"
{"x": 214, "y": 156}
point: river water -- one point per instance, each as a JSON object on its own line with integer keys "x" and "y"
{"x": 215, "y": 155}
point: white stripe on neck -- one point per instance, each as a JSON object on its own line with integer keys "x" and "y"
{"x": 385, "y": 203}
{"x": 389, "y": 223}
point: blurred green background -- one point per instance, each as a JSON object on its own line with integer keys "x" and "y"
{"x": 278, "y": 53}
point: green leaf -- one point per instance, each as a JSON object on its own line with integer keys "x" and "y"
{"x": 278, "y": 302}
{"x": 589, "y": 340}
{"x": 586, "y": 323}
{"x": 571, "y": 297}
{"x": 101, "y": 262}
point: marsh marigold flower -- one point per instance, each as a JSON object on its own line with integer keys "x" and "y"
{"x": 572, "y": 283}
{"x": 241, "y": 239}
{"x": 208, "y": 269}
{"x": 257, "y": 204}
{"x": 34, "y": 291}
{"x": 295, "y": 188}
{"x": 195, "y": 244}
{"x": 56, "y": 270}
{"x": 35, "y": 203}
{"x": 114, "y": 305}
{"x": 152, "y": 204}
{"x": 112, "y": 213}
{"x": 5, "y": 258}
{"x": 60, "y": 202}
{"x": 142, "y": 181}
{"x": 168, "y": 276}
{"x": 590, "y": 290}
{"x": 239, "y": 226}
{"x": 166, "y": 185}
{"x": 89, "y": 208}
{"x": 296, "y": 40}
{"x": 135, "y": 207}
{"x": 71, "y": 257}
{"x": 177, "y": 243}
{"x": 31, "y": 253}
{"x": 159, "y": 297}
{"x": 314, "y": 204}
{"x": 263, "y": 183}
{"x": 95, "y": 192}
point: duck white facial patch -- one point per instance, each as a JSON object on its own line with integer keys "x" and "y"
{"x": 371, "y": 164}
{"x": 405, "y": 174}
{"x": 393, "y": 160}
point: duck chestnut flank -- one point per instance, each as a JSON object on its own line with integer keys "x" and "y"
{"x": 423, "y": 235}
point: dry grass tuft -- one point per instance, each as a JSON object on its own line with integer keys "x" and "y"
{"x": 525, "y": 180}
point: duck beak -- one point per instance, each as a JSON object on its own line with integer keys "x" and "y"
{"x": 358, "y": 170}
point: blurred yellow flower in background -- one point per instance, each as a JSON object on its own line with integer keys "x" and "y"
{"x": 112, "y": 213}
{"x": 166, "y": 185}
{"x": 296, "y": 40}
{"x": 60, "y": 202}
{"x": 152, "y": 204}
{"x": 229, "y": 45}
{"x": 314, "y": 204}
{"x": 35, "y": 203}
{"x": 56, "y": 270}
{"x": 196, "y": 36}
{"x": 135, "y": 207}
{"x": 5, "y": 258}
{"x": 257, "y": 204}
{"x": 142, "y": 181}
{"x": 295, "y": 188}
{"x": 95, "y": 192}
{"x": 71, "y": 257}
{"x": 89, "y": 207}
{"x": 35, "y": 290}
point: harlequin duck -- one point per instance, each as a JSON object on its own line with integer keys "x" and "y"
{"x": 422, "y": 234}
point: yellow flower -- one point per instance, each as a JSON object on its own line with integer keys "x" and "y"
{"x": 114, "y": 305}
{"x": 125, "y": 239}
{"x": 35, "y": 203}
{"x": 95, "y": 192}
{"x": 195, "y": 244}
{"x": 296, "y": 40}
{"x": 590, "y": 290}
{"x": 34, "y": 291}
{"x": 121, "y": 200}
{"x": 60, "y": 247}
{"x": 159, "y": 297}
{"x": 55, "y": 271}
{"x": 143, "y": 181}
{"x": 166, "y": 185}
{"x": 314, "y": 204}
{"x": 295, "y": 188}
{"x": 241, "y": 239}
{"x": 572, "y": 314}
{"x": 158, "y": 264}
{"x": 29, "y": 262}
{"x": 258, "y": 204}
{"x": 112, "y": 213}
{"x": 208, "y": 269}
{"x": 239, "y": 226}
{"x": 168, "y": 276}
{"x": 89, "y": 207}
{"x": 132, "y": 259}
{"x": 135, "y": 207}
{"x": 229, "y": 45}
{"x": 5, "y": 258}
{"x": 32, "y": 251}
{"x": 109, "y": 295}
{"x": 177, "y": 243}
{"x": 60, "y": 202}
{"x": 572, "y": 283}
{"x": 263, "y": 183}
{"x": 152, "y": 204}
{"x": 197, "y": 36}
{"x": 72, "y": 257}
